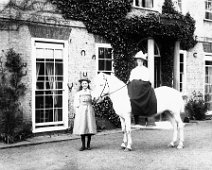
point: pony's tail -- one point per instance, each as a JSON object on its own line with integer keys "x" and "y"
{"x": 183, "y": 102}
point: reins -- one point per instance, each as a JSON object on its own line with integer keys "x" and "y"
{"x": 107, "y": 94}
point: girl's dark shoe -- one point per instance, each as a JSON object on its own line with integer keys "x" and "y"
{"x": 83, "y": 143}
{"x": 88, "y": 148}
{"x": 82, "y": 148}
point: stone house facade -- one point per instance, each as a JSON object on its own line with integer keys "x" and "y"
{"x": 59, "y": 51}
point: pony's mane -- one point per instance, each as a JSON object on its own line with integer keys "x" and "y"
{"x": 115, "y": 80}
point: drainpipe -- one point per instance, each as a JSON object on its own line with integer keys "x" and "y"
{"x": 176, "y": 65}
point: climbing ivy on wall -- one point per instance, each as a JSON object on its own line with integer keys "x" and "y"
{"x": 108, "y": 19}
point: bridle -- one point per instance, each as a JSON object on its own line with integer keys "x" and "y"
{"x": 106, "y": 83}
{"x": 107, "y": 94}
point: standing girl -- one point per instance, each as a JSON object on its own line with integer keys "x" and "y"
{"x": 84, "y": 123}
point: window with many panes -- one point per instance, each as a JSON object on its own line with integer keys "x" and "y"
{"x": 104, "y": 55}
{"x": 49, "y": 84}
{"x": 208, "y": 81}
{"x": 208, "y": 9}
{"x": 143, "y": 3}
{"x": 182, "y": 72}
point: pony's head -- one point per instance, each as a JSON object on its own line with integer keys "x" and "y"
{"x": 101, "y": 87}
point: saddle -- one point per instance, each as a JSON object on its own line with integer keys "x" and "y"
{"x": 142, "y": 98}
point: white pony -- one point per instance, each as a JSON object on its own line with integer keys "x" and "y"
{"x": 168, "y": 99}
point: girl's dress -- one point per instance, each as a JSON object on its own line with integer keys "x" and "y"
{"x": 84, "y": 122}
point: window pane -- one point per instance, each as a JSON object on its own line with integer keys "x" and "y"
{"x": 108, "y": 53}
{"x": 181, "y": 58}
{"x": 50, "y": 70}
{"x": 58, "y": 114}
{"x": 101, "y": 52}
{"x": 49, "y": 115}
{"x": 101, "y": 65}
{"x": 39, "y": 85}
{"x": 208, "y": 62}
{"x": 38, "y": 115}
{"x": 58, "y": 85}
{"x": 39, "y": 53}
{"x": 136, "y": 2}
{"x": 181, "y": 68}
{"x": 148, "y": 3}
{"x": 49, "y": 53}
{"x": 58, "y": 100}
{"x": 48, "y": 101}
{"x": 108, "y": 65}
{"x": 181, "y": 77}
{"x": 58, "y": 54}
{"x": 59, "y": 68}
{"x": 39, "y": 100}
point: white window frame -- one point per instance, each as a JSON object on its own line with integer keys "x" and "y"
{"x": 64, "y": 123}
{"x": 208, "y": 10}
{"x": 134, "y": 4}
{"x": 177, "y": 5}
{"x": 184, "y": 82}
{"x": 208, "y": 57}
{"x": 102, "y": 45}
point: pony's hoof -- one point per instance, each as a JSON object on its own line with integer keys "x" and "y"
{"x": 123, "y": 146}
{"x": 180, "y": 146}
{"x": 171, "y": 145}
{"x": 127, "y": 149}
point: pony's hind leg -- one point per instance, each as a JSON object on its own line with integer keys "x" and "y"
{"x": 174, "y": 125}
{"x": 178, "y": 129}
{"x": 123, "y": 127}
{"x": 181, "y": 131}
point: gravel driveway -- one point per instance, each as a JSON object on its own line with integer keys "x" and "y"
{"x": 150, "y": 152}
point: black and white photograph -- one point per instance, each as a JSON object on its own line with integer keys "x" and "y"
{"x": 105, "y": 84}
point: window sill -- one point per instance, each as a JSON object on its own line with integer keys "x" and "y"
{"x": 145, "y": 8}
{"x": 207, "y": 20}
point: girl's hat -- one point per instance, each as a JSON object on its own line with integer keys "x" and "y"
{"x": 141, "y": 55}
{"x": 84, "y": 79}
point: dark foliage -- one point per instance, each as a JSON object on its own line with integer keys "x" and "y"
{"x": 196, "y": 107}
{"x": 11, "y": 89}
{"x": 108, "y": 19}
{"x": 104, "y": 110}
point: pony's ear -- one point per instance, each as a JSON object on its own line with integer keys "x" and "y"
{"x": 104, "y": 76}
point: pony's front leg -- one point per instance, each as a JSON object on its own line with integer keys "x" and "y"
{"x": 123, "y": 128}
{"x": 128, "y": 130}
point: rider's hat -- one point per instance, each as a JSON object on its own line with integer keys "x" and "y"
{"x": 141, "y": 55}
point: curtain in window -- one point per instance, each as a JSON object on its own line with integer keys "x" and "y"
{"x": 37, "y": 71}
{"x": 56, "y": 92}
{"x": 50, "y": 75}
{"x": 149, "y": 3}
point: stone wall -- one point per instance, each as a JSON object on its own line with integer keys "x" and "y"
{"x": 21, "y": 20}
